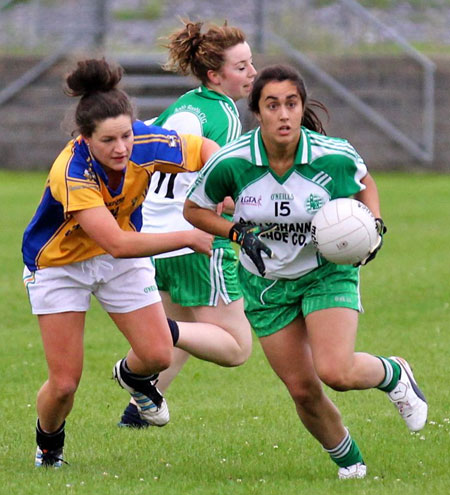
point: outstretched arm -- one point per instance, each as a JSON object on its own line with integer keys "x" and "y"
{"x": 102, "y": 227}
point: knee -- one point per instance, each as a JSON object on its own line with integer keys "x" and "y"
{"x": 164, "y": 359}
{"x": 158, "y": 359}
{"x": 236, "y": 361}
{"x": 336, "y": 378}
{"x": 304, "y": 392}
{"x": 243, "y": 348}
{"x": 240, "y": 357}
{"x": 64, "y": 388}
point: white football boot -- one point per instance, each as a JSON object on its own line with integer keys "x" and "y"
{"x": 357, "y": 470}
{"x": 408, "y": 398}
{"x": 49, "y": 458}
{"x": 151, "y": 404}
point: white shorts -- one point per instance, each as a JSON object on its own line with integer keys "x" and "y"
{"x": 120, "y": 285}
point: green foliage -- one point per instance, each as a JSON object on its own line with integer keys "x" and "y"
{"x": 417, "y": 4}
{"x": 8, "y": 4}
{"x": 389, "y": 4}
{"x": 148, "y": 10}
{"x": 235, "y": 431}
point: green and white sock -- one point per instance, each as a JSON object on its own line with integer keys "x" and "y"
{"x": 392, "y": 376}
{"x": 346, "y": 453}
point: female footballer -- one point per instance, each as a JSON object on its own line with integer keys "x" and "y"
{"x": 84, "y": 239}
{"x": 303, "y": 309}
{"x": 193, "y": 286}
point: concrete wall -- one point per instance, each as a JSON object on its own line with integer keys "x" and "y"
{"x": 31, "y": 135}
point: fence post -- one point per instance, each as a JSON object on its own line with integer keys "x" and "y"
{"x": 260, "y": 17}
{"x": 100, "y": 12}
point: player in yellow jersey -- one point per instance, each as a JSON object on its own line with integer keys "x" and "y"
{"x": 84, "y": 239}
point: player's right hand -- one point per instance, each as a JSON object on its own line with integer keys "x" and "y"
{"x": 247, "y": 236}
{"x": 200, "y": 241}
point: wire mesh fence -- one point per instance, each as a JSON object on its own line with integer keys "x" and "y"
{"x": 371, "y": 60}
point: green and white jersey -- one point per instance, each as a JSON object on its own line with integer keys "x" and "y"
{"x": 324, "y": 168}
{"x": 201, "y": 112}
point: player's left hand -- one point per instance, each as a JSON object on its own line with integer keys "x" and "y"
{"x": 381, "y": 229}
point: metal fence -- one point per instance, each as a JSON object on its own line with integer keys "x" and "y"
{"x": 312, "y": 32}
{"x": 344, "y": 30}
{"x": 40, "y": 26}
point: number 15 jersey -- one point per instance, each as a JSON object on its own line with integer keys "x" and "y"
{"x": 324, "y": 168}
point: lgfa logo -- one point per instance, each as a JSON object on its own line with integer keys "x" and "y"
{"x": 251, "y": 201}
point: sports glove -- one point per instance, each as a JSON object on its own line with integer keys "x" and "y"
{"x": 381, "y": 229}
{"x": 247, "y": 236}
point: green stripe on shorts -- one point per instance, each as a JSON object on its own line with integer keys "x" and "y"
{"x": 270, "y": 305}
{"x": 197, "y": 280}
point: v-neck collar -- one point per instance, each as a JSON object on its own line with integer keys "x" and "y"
{"x": 260, "y": 158}
{"x": 99, "y": 170}
{"x": 259, "y": 153}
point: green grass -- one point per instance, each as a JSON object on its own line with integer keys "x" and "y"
{"x": 235, "y": 431}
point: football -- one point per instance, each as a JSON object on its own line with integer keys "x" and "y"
{"x": 344, "y": 231}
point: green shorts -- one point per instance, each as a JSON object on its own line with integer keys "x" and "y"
{"x": 270, "y": 305}
{"x": 197, "y": 280}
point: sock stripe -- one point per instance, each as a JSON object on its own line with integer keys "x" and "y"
{"x": 342, "y": 449}
{"x": 389, "y": 372}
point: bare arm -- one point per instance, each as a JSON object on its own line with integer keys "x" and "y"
{"x": 208, "y": 148}
{"x": 102, "y": 227}
{"x": 207, "y": 220}
{"x": 370, "y": 195}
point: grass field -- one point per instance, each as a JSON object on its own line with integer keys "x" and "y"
{"x": 235, "y": 431}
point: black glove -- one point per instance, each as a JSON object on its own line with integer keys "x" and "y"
{"x": 381, "y": 229}
{"x": 247, "y": 236}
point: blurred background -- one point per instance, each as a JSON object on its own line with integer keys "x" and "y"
{"x": 380, "y": 66}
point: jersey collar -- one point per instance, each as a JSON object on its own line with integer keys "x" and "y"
{"x": 259, "y": 154}
{"x": 99, "y": 170}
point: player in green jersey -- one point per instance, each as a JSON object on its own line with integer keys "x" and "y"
{"x": 194, "y": 287}
{"x": 303, "y": 308}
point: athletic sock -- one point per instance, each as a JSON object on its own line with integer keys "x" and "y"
{"x": 50, "y": 441}
{"x": 392, "y": 374}
{"x": 174, "y": 330}
{"x": 133, "y": 379}
{"x": 141, "y": 383}
{"x": 346, "y": 453}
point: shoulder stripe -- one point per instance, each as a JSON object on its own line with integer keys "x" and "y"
{"x": 234, "y": 124}
{"x": 321, "y": 178}
{"x": 335, "y": 145}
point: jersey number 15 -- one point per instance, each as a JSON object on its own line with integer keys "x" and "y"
{"x": 282, "y": 209}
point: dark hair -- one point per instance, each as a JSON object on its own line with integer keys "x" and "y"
{"x": 286, "y": 73}
{"x": 194, "y": 52}
{"x": 96, "y": 82}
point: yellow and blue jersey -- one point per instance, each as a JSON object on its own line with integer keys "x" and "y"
{"x": 77, "y": 182}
